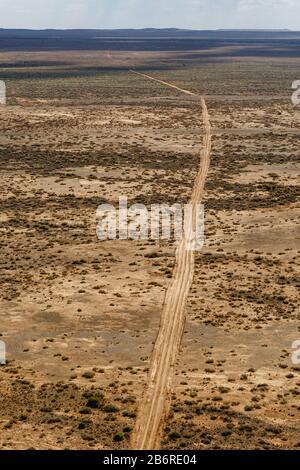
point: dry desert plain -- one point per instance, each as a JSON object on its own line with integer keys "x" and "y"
{"x": 82, "y": 318}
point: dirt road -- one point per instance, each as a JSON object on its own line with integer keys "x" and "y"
{"x": 156, "y": 400}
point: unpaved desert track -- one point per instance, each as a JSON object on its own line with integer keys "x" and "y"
{"x": 156, "y": 400}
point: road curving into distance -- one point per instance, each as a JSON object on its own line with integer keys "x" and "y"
{"x": 155, "y": 403}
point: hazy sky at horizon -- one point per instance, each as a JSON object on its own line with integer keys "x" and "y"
{"x": 196, "y": 14}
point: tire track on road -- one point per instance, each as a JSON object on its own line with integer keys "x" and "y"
{"x": 156, "y": 400}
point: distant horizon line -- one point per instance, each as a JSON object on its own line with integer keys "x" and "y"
{"x": 151, "y": 29}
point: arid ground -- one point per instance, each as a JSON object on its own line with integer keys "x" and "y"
{"x": 80, "y": 317}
